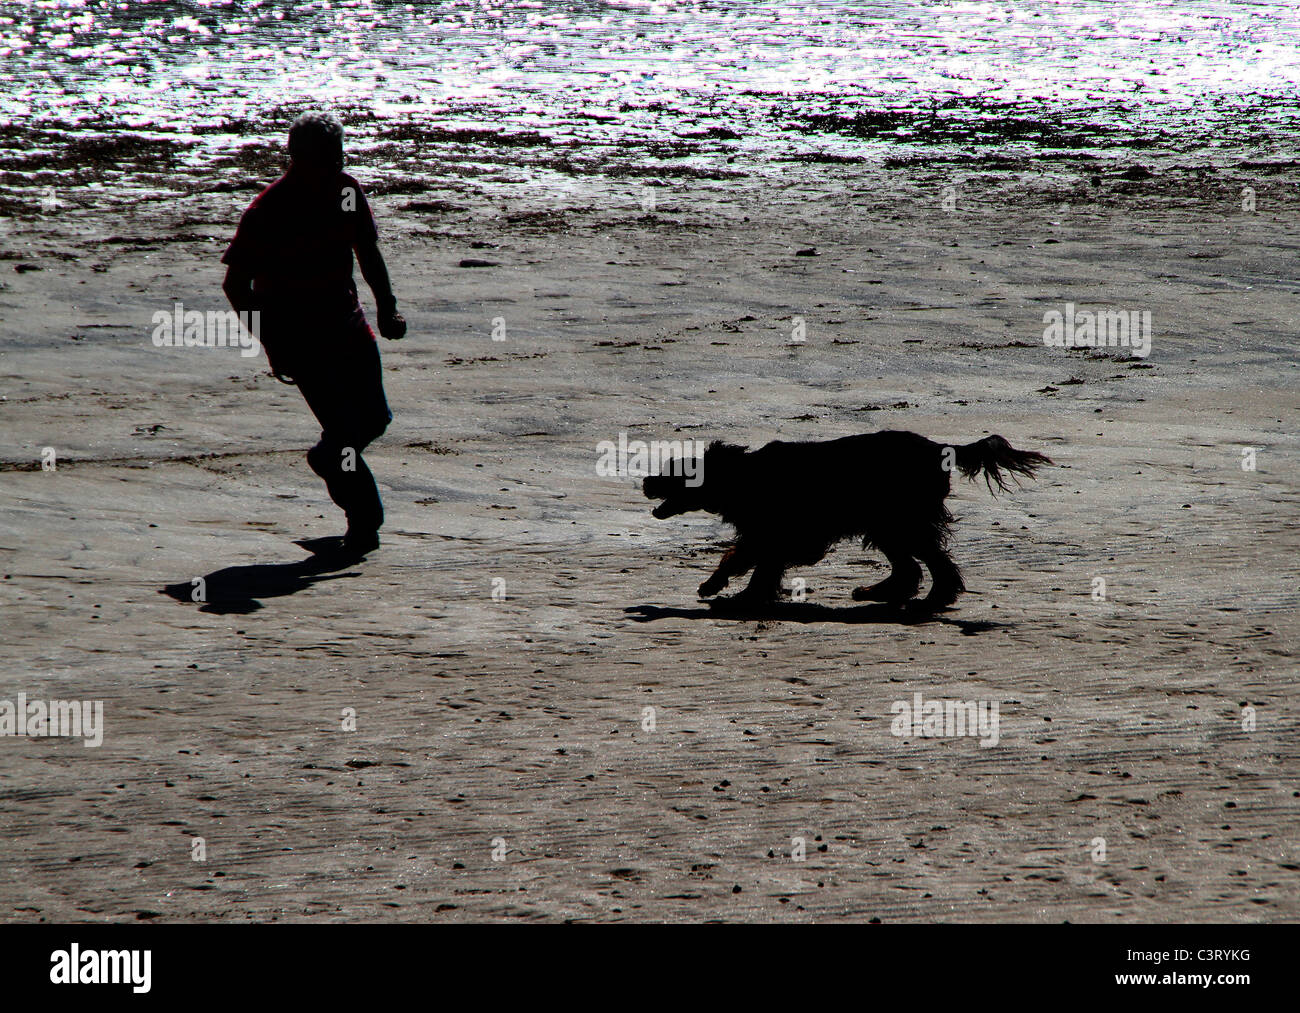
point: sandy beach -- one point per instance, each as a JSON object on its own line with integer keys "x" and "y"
{"x": 522, "y": 719}
{"x": 517, "y": 708}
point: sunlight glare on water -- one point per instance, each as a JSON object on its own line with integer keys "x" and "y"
{"x": 1210, "y": 74}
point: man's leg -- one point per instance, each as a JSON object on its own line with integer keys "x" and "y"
{"x": 347, "y": 397}
{"x": 349, "y": 480}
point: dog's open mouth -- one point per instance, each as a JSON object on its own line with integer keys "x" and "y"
{"x": 667, "y": 489}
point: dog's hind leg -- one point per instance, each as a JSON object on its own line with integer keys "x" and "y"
{"x": 900, "y": 585}
{"x": 947, "y": 578}
{"x": 733, "y": 563}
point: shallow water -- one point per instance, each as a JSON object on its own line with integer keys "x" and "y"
{"x": 633, "y": 87}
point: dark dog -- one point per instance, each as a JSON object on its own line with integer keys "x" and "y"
{"x": 791, "y": 502}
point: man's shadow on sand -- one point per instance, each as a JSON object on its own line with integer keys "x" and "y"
{"x": 236, "y": 590}
{"x": 806, "y": 612}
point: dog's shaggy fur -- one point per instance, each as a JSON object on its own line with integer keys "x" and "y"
{"x": 791, "y": 502}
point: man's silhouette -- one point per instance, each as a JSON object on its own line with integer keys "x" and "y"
{"x": 291, "y": 259}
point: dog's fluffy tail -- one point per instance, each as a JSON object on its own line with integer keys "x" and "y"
{"x": 993, "y": 456}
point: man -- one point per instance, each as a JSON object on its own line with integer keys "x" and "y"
{"x": 291, "y": 260}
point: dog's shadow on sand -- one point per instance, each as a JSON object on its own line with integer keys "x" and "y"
{"x": 807, "y": 612}
{"x": 237, "y": 590}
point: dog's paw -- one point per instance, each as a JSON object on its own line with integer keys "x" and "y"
{"x": 886, "y": 596}
{"x": 743, "y": 602}
{"x": 889, "y": 590}
{"x": 711, "y": 587}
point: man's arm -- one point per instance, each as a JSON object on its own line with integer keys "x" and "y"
{"x": 238, "y": 287}
{"x": 392, "y": 325}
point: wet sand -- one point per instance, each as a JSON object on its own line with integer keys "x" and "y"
{"x": 522, "y": 719}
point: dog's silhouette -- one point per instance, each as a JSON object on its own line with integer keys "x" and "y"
{"x": 791, "y": 502}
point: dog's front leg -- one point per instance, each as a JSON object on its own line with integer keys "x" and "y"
{"x": 734, "y": 562}
{"x": 761, "y": 593}
{"x": 764, "y": 586}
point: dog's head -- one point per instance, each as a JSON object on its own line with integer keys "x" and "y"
{"x": 692, "y": 483}
{"x": 677, "y": 496}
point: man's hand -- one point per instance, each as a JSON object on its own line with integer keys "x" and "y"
{"x": 392, "y": 325}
